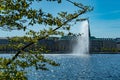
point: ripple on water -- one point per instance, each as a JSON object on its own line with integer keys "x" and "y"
{"x": 72, "y": 67}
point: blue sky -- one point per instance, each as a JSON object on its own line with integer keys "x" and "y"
{"x": 104, "y": 19}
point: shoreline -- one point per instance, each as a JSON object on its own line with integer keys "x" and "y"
{"x": 61, "y": 52}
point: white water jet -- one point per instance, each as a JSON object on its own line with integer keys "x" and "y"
{"x": 82, "y": 46}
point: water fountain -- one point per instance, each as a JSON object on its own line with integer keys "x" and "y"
{"x": 82, "y": 46}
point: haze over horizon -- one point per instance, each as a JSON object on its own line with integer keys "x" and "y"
{"x": 104, "y": 19}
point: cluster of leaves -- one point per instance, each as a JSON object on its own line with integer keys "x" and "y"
{"x": 18, "y": 15}
{"x": 16, "y": 70}
{"x": 11, "y": 72}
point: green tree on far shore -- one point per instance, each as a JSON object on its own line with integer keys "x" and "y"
{"x": 18, "y": 15}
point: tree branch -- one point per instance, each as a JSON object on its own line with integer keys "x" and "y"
{"x": 76, "y": 4}
{"x": 31, "y": 43}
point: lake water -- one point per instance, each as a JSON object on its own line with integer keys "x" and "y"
{"x": 74, "y": 67}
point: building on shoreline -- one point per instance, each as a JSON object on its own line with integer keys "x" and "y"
{"x": 67, "y": 43}
{"x": 103, "y": 45}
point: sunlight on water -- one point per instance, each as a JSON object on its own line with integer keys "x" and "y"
{"x": 73, "y": 67}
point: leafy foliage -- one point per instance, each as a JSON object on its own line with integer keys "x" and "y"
{"x": 18, "y": 15}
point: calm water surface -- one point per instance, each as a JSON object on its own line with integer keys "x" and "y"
{"x": 93, "y": 67}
